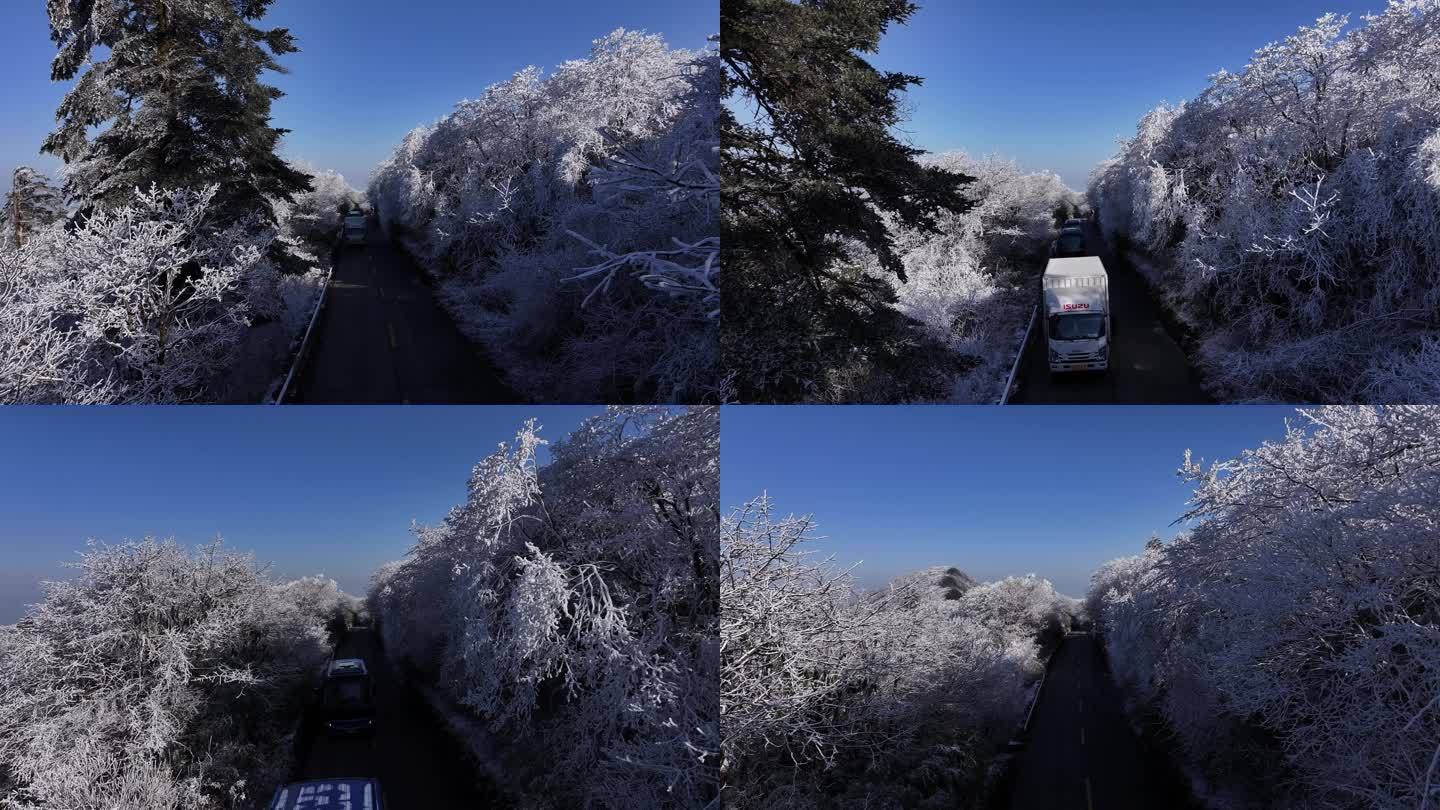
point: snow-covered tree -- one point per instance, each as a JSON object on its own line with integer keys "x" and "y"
{"x": 136, "y": 304}
{"x": 573, "y": 608}
{"x": 1297, "y": 625}
{"x": 321, "y": 597}
{"x": 32, "y": 204}
{"x": 897, "y": 697}
{"x": 969, "y": 281}
{"x": 156, "y": 679}
{"x": 310, "y": 223}
{"x": 176, "y": 93}
{"x": 1293, "y": 208}
{"x": 573, "y": 221}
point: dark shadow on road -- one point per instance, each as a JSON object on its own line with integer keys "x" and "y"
{"x": 383, "y": 338}
{"x": 1147, "y": 366}
{"x": 1081, "y": 752}
{"x": 418, "y": 764}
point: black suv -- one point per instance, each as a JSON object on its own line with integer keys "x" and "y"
{"x": 1070, "y": 243}
{"x": 347, "y": 697}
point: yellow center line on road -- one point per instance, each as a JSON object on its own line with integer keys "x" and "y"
{"x": 390, "y": 328}
{"x": 1090, "y": 805}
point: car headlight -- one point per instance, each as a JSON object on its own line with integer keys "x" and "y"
{"x": 1054, "y": 356}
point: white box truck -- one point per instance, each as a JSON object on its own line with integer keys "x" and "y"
{"x": 1076, "y": 304}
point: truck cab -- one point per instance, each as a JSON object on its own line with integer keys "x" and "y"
{"x": 356, "y": 793}
{"x": 1076, "y": 308}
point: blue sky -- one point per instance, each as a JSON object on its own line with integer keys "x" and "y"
{"x": 1053, "y": 84}
{"x": 368, "y": 71}
{"x": 309, "y": 489}
{"x": 995, "y": 491}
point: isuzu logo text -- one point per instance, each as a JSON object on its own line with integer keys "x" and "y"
{"x": 1069, "y": 307}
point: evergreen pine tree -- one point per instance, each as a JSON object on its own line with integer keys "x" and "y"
{"x": 817, "y": 166}
{"x": 32, "y": 204}
{"x": 180, "y": 96}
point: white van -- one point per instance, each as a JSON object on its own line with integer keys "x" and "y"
{"x": 353, "y": 229}
{"x": 1077, "y": 314}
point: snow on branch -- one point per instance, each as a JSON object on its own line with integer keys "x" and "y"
{"x": 1298, "y": 621}
{"x": 572, "y": 608}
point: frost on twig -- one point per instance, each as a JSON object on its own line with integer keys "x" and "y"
{"x": 572, "y": 609}
{"x": 531, "y": 203}
{"x": 1296, "y": 625}
{"x": 1293, "y": 211}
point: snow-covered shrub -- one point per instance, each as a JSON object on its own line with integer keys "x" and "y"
{"x": 1027, "y": 607}
{"x": 139, "y": 304}
{"x": 1297, "y": 626}
{"x": 969, "y": 284}
{"x": 156, "y": 679}
{"x": 835, "y": 697}
{"x": 310, "y": 224}
{"x": 573, "y": 221}
{"x": 320, "y": 597}
{"x": 572, "y": 608}
{"x": 1296, "y": 206}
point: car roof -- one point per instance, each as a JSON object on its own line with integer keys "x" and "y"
{"x": 356, "y": 793}
{"x": 346, "y": 666}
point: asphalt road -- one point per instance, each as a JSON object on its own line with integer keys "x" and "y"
{"x": 1146, "y": 365}
{"x": 1081, "y": 753}
{"x": 383, "y": 338}
{"x": 417, "y": 763}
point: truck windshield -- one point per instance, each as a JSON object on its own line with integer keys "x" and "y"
{"x": 1077, "y": 327}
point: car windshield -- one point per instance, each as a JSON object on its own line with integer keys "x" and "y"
{"x": 1072, "y": 242}
{"x": 346, "y": 693}
{"x": 1077, "y": 327}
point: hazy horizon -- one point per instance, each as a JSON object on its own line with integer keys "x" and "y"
{"x": 307, "y": 490}
{"x": 995, "y": 492}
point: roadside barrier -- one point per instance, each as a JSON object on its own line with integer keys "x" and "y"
{"x": 1020, "y": 355}
{"x": 305, "y": 341}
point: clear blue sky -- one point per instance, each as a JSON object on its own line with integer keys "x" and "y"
{"x": 1053, "y": 84}
{"x": 368, "y": 71}
{"x": 995, "y": 491}
{"x": 309, "y": 489}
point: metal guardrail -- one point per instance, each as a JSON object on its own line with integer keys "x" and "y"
{"x": 305, "y": 341}
{"x": 1020, "y": 355}
{"x": 1025, "y": 727}
{"x": 1018, "y": 740}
